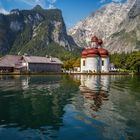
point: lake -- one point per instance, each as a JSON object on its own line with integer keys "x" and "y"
{"x": 76, "y": 107}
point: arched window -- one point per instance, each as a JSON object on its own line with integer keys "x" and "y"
{"x": 84, "y": 63}
{"x": 102, "y": 62}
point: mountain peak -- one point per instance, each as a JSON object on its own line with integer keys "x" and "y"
{"x": 15, "y": 11}
{"x": 114, "y": 23}
{"x": 34, "y": 31}
{"x": 38, "y": 7}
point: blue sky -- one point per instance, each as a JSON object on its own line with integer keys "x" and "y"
{"x": 73, "y": 10}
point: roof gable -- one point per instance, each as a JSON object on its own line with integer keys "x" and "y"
{"x": 9, "y": 61}
{"x": 13, "y": 60}
{"x": 38, "y": 59}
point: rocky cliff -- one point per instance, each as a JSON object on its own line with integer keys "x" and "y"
{"x": 117, "y": 23}
{"x": 33, "y": 31}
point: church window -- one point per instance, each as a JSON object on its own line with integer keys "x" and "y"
{"x": 84, "y": 63}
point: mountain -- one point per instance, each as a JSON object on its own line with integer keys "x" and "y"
{"x": 37, "y": 31}
{"x": 127, "y": 37}
{"x": 118, "y": 24}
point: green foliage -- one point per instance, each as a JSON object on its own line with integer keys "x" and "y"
{"x": 22, "y": 39}
{"x": 119, "y": 60}
{"x": 133, "y": 61}
{"x": 36, "y": 35}
{"x": 130, "y": 61}
{"x": 124, "y": 61}
{"x": 51, "y": 49}
{"x": 71, "y": 63}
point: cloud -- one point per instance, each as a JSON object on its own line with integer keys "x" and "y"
{"x": 103, "y": 1}
{"x": 34, "y": 2}
{"x": 51, "y": 1}
{"x": 3, "y": 11}
{"x": 44, "y": 3}
{"x": 117, "y": 0}
{"x": 51, "y": 4}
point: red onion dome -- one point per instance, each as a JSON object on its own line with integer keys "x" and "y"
{"x": 100, "y": 42}
{"x": 92, "y": 52}
{"x": 94, "y": 39}
{"x": 103, "y": 52}
{"x": 84, "y": 53}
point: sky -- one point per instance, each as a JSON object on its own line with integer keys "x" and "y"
{"x": 73, "y": 10}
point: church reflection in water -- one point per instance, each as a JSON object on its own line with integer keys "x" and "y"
{"x": 94, "y": 90}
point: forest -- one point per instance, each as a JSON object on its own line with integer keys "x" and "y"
{"x": 124, "y": 62}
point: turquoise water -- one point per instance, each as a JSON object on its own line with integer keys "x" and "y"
{"x": 70, "y": 107}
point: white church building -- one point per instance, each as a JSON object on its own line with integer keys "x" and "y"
{"x": 95, "y": 59}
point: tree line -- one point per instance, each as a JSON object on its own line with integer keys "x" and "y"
{"x": 123, "y": 61}
{"x": 126, "y": 61}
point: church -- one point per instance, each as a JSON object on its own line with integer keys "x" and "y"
{"x": 95, "y": 59}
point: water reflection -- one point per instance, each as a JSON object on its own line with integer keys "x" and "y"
{"x": 94, "y": 91}
{"x": 113, "y": 101}
{"x": 36, "y": 102}
{"x": 25, "y": 83}
{"x": 65, "y": 108}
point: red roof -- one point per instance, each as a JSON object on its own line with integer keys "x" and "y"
{"x": 92, "y": 52}
{"x": 94, "y": 39}
{"x": 84, "y": 53}
{"x": 103, "y": 52}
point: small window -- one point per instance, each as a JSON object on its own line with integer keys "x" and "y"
{"x": 84, "y": 63}
{"x": 102, "y": 62}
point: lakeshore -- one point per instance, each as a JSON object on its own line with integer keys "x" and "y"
{"x": 68, "y": 73}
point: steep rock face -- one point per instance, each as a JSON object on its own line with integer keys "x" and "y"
{"x": 113, "y": 23}
{"x": 32, "y": 30}
{"x": 127, "y": 37}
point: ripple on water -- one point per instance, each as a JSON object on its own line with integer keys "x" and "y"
{"x": 62, "y": 108}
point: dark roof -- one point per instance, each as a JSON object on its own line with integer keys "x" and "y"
{"x": 9, "y": 60}
{"x": 15, "y": 61}
{"x": 38, "y": 59}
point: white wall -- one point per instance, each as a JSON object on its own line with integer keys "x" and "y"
{"x": 105, "y": 67}
{"x": 25, "y": 64}
{"x": 92, "y": 64}
{"x": 83, "y": 68}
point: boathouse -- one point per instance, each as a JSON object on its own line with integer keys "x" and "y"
{"x": 26, "y": 63}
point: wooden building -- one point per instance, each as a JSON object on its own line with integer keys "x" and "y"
{"x": 8, "y": 63}
{"x": 41, "y": 64}
{"x": 11, "y": 63}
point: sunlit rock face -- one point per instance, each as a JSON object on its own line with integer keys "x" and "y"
{"x": 115, "y": 23}
{"x": 31, "y": 31}
{"x": 16, "y": 26}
